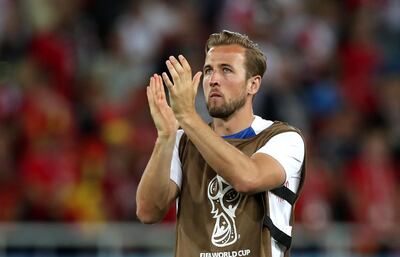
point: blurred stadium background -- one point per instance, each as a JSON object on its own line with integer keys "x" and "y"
{"x": 75, "y": 132}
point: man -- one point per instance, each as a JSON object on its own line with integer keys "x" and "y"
{"x": 236, "y": 180}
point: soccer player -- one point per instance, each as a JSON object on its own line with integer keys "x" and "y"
{"x": 235, "y": 180}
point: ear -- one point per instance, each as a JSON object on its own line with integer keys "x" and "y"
{"x": 254, "y": 85}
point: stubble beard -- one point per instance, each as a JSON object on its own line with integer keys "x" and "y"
{"x": 227, "y": 109}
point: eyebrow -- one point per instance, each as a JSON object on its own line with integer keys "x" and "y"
{"x": 206, "y": 66}
{"x": 219, "y": 65}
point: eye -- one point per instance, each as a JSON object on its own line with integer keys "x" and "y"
{"x": 207, "y": 71}
{"x": 226, "y": 70}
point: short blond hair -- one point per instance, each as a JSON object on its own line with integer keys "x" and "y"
{"x": 255, "y": 60}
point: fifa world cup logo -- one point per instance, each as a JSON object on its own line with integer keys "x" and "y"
{"x": 224, "y": 201}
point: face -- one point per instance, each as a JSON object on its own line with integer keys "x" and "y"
{"x": 224, "y": 80}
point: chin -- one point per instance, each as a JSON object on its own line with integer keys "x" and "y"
{"x": 219, "y": 113}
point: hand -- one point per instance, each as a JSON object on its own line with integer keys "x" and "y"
{"x": 183, "y": 90}
{"x": 163, "y": 116}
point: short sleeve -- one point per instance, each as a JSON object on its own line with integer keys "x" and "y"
{"x": 288, "y": 149}
{"x": 176, "y": 165}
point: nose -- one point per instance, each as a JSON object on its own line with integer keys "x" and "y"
{"x": 214, "y": 79}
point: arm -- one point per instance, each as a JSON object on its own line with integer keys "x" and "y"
{"x": 262, "y": 171}
{"x": 156, "y": 191}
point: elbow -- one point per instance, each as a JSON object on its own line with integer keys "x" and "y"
{"x": 147, "y": 220}
{"x": 244, "y": 189}
{"x": 246, "y": 186}
{"x": 146, "y": 216}
{"x": 247, "y": 183}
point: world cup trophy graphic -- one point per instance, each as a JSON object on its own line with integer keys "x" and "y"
{"x": 224, "y": 201}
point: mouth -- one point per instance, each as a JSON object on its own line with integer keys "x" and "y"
{"x": 214, "y": 94}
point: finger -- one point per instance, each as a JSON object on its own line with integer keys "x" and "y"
{"x": 167, "y": 81}
{"x": 160, "y": 89}
{"x": 196, "y": 80}
{"x": 150, "y": 99}
{"x": 185, "y": 63}
{"x": 163, "y": 93}
{"x": 149, "y": 96}
{"x": 157, "y": 83}
{"x": 172, "y": 71}
{"x": 152, "y": 87}
{"x": 177, "y": 65}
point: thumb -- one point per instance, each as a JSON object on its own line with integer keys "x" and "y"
{"x": 196, "y": 80}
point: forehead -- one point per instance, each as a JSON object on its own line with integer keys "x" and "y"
{"x": 225, "y": 54}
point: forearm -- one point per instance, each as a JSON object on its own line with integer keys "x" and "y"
{"x": 156, "y": 191}
{"x": 234, "y": 166}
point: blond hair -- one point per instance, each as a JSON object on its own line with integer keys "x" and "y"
{"x": 255, "y": 60}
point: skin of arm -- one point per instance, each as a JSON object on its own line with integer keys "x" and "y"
{"x": 156, "y": 191}
{"x": 247, "y": 175}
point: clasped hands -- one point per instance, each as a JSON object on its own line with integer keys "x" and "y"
{"x": 182, "y": 93}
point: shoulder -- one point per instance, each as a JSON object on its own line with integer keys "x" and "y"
{"x": 288, "y": 138}
{"x": 288, "y": 148}
{"x": 259, "y": 124}
{"x": 285, "y": 135}
{"x": 275, "y": 127}
{"x": 280, "y": 137}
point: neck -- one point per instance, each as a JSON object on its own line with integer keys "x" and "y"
{"x": 238, "y": 121}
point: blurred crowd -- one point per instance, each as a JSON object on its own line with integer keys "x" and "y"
{"x": 76, "y": 133}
